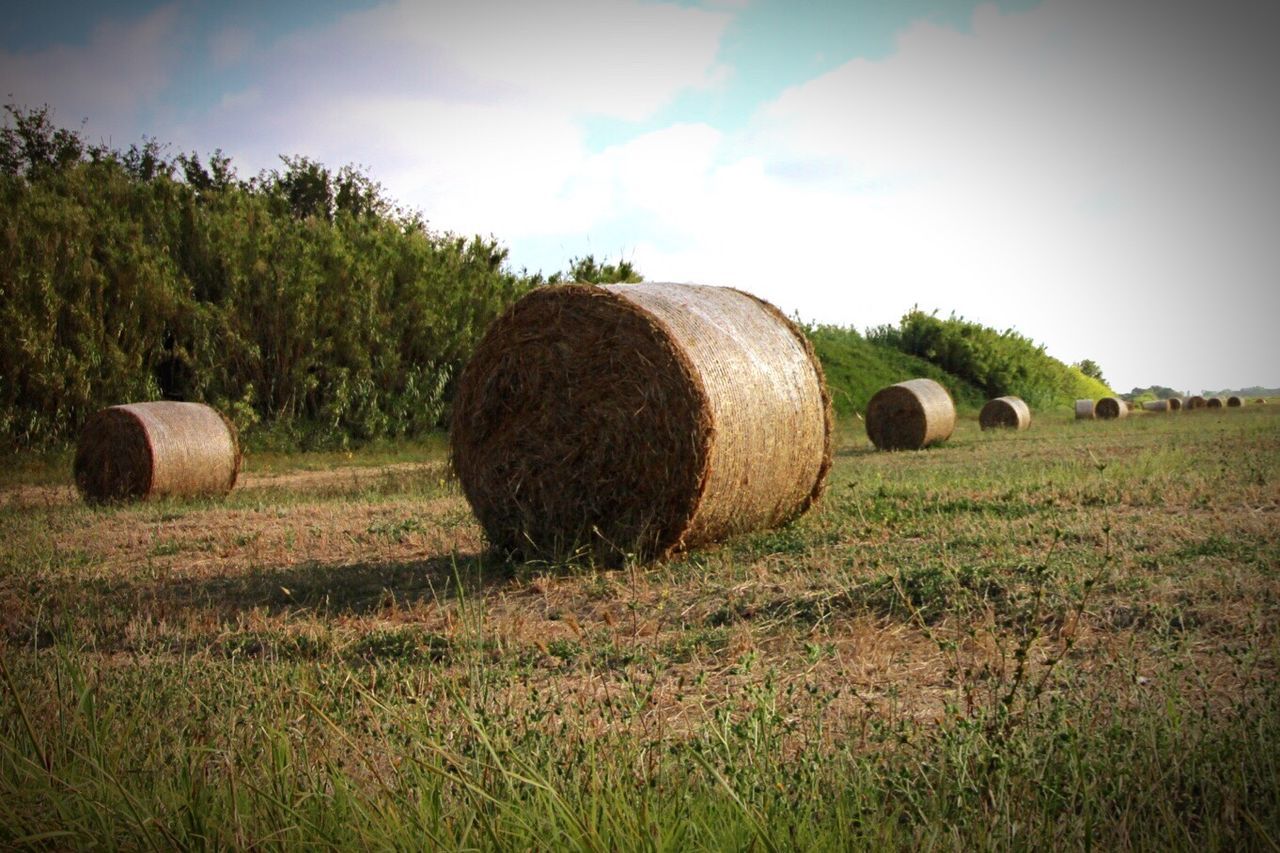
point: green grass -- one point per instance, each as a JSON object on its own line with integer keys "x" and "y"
{"x": 1066, "y": 637}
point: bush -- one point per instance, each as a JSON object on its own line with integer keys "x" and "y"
{"x": 301, "y": 295}
{"x": 996, "y": 363}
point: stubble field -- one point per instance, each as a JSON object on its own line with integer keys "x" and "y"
{"x": 1066, "y": 636}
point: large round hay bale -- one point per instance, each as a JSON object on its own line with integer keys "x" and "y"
{"x": 1175, "y": 404}
{"x": 1234, "y": 401}
{"x": 1196, "y": 402}
{"x": 1110, "y": 408}
{"x": 1213, "y": 403}
{"x": 1156, "y": 405}
{"x": 1009, "y": 412}
{"x": 141, "y": 451}
{"x": 910, "y": 415}
{"x": 637, "y": 420}
{"x": 1085, "y": 410}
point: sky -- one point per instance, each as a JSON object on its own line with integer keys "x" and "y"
{"x": 1102, "y": 176}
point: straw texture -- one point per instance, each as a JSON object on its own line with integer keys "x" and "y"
{"x": 1213, "y": 403}
{"x": 142, "y": 451}
{"x": 637, "y": 420}
{"x": 1234, "y": 402}
{"x": 910, "y": 415}
{"x": 1110, "y": 408}
{"x": 1175, "y": 404}
{"x": 1085, "y": 410}
{"x": 1156, "y": 405}
{"x": 1009, "y": 412}
{"x": 1196, "y": 402}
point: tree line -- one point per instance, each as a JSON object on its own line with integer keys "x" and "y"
{"x": 304, "y": 303}
{"x": 300, "y": 298}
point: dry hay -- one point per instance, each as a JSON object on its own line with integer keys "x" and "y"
{"x": 1196, "y": 402}
{"x": 1156, "y": 406}
{"x": 1085, "y": 410}
{"x": 1234, "y": 402}
{"x": 910, "y": 415}
{"x": 1110, "y": 408}
{"x": 1009, "y": 412}
{"x": 1259, "y": 402}
{"x": 1175, "y": 404}
{"x": 637, "y": 420}
{"x": 1214, "y": 403}
{"x": 142, "y": 451}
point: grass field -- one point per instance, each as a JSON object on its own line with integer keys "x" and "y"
{"x": 1062, "y": 637}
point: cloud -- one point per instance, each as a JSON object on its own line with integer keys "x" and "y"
{"x": 471, "y": 112}
{"x": 122, "y": 70}
{"x": 1100, "y": 176}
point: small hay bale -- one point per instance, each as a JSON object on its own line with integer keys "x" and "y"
{"x": 1234, "y": 402}
{"x": 910, "y": 415}
{"x": 1259, "y": 402}
{"x": 635, "y": 420}
{"x": 1085, "y": 410}
{"x": 142, "y": 451}
{"x": 1156, "y": 405}
{"x": 1196, "y": 402}
{"x": 1213, "y": 403}
{"x": 1110, "y": 408}
{"x": 1009, "y": 412}
{"x": 1175, "y": 404}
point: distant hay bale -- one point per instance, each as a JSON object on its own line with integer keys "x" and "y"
{"x": 1234, "y": 402}
{"x": 1110, "y": 408}
{"x": 1213, "y": 403}
{"x": 910, "y": 415}
{"x": 142, "y": 451}
{"x": 1085, "y": 410}
{"x": 1175, "y": 404}
{"x": 1196, "y": 402}
{"x": 1009, "y": 412}
{"x": 1259, "y": 402}
{"x": 1156, "y": 405}
{"x": 638, "y": 420}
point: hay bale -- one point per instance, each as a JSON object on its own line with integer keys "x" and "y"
{"x": 1156, "y": 406}
{"x": 637, "y": 420}
{"x": 1196, "y": 402}
{"x": 1175, "y": 404}
{"x": 1009, "y": 412}
{"x": 1234, "y": 402}
{"x": 142, "y": 451}
{"x": 1085, "y": 410}
{"x": 1110, "y": 408}
{"x": 910, "y": 415}
{"x": 1259, "y": 402}
{"x": 1213, "y": 403}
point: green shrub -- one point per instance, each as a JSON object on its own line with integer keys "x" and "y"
{"x": 856, "y": 368}
{"x": 996, "y": 363}
{"x": 300, "y": 296}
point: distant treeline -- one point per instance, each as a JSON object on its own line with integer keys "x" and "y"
{"x": 300, "y": 298}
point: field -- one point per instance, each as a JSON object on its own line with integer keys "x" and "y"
{"x": 1062, "y": 637}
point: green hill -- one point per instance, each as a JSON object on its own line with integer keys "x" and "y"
{"x": 995, "y": 363}
{"x": 856, "y": 368}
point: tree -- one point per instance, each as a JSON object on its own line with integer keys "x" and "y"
{"x": 1090, "y": 368}
{"x": 588, "y": 271}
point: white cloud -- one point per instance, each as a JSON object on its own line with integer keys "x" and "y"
{"x": 1102, "y": 181}
{"x": 470, "y": 111}
{"x": 121, "y": 70}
